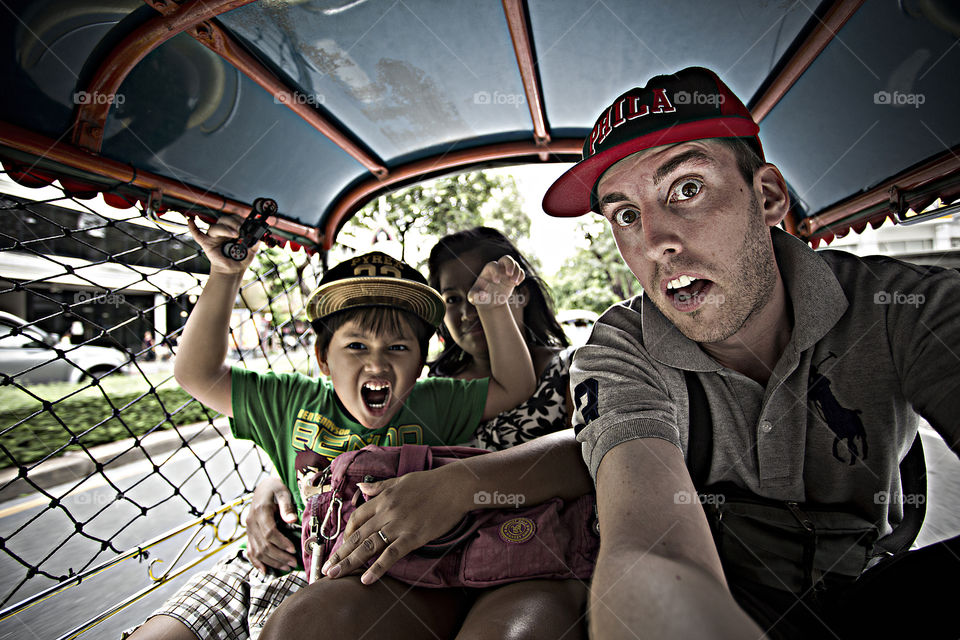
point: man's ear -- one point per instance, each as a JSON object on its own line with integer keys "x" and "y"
{"x": 771, "y": 190}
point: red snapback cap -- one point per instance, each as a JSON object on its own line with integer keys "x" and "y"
{"x": 691, "y": 104}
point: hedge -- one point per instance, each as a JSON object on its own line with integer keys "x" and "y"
{"x": 43, "y": 434}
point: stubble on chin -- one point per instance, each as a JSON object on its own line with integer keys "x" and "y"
{"x": 740, "y": 293}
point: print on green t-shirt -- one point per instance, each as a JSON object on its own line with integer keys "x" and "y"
{"x": 316, "y": 432}
{"x": 288, "y": 413}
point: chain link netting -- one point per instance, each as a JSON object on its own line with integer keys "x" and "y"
{"x": 99, "y": 447}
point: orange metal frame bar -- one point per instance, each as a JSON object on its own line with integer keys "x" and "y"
{"x": 515, "y": 11}
{"x": 194, "y": 18}
{"x": 947, "y": 164}
{"x": 91, "y": 117}
{"x": 565, "y": 150}
{"x": 813, "y": 46}
{"x": 77, "y": 158}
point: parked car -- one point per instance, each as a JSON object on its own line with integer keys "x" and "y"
{"x": 577, "y": 323}
{"x": 32, "y": 355}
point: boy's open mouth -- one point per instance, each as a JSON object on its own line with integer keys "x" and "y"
{"x": 375, "y": 394}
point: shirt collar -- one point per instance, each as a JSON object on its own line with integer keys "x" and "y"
{"x": 816, "y": 298}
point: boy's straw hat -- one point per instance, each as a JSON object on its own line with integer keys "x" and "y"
{"x": 375, "y": 280}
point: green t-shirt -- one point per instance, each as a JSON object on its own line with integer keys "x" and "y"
{"x": 288, "y": 412}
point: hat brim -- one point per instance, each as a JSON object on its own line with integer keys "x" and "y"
{"x": 570, "y": 195}
{"x": 352, "y": 293}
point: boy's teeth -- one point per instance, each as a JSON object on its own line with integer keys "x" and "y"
{"x": 679, "y": 283}
{"x": 376, "y": 386}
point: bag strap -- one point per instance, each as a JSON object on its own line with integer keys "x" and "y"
{"x": 913, "y": 483}
{"x": 700, "y": 433}
{"x": 413, "y": 457}
{"x": 913, "y": 469}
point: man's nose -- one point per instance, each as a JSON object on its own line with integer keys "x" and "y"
{"x": 661, "y": 233}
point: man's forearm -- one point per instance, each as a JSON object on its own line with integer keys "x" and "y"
{"x": 637, "y": 593}
{"x": 203, "y": 347}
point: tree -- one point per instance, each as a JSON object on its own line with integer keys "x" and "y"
{"x": 430, "y": 210}
{"x": 595, "y": 277}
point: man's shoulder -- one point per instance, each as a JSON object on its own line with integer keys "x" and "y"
{"x": 620, "y": 328}
{"x": 884, "y": 274}
{"x": 624, "y": 316}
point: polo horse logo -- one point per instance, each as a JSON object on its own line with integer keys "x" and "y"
{"x": 845, "y": 423}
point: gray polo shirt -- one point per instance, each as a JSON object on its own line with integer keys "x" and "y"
{"x": 875, "y": 342}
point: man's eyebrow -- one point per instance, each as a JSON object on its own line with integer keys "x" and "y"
{"x": 616, "y": 196}
{"x": 668, "y": 167}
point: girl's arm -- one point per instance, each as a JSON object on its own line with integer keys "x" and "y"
{"x": 199, "y": 366}
{"x": 512, "y": 377}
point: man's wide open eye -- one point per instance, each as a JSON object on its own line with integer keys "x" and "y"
{"x": 626, "y": 216}
{"x": 686, "y": 189}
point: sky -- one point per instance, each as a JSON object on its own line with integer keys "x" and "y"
{"x": 552, "y": 240}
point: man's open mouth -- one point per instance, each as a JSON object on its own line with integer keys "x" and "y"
{"x": 375, "y": 394}
{"x": 686, "y": 292}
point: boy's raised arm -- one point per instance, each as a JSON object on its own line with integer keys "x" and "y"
{"x": 512, "y": 376}
{"x": 199, "y": 366}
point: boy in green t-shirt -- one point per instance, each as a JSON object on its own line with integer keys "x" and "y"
{"x": 373, "y": 316}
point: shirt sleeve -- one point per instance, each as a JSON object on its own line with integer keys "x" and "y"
{"x": 258, "y": 412}
{"x": 456, "y": 407}
{"x": 922, "y": 312}
{"x": 619, "y": 393}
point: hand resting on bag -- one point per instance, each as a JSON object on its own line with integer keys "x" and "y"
{"x": 267, "y": 546}
{"x": 410, "y": 511}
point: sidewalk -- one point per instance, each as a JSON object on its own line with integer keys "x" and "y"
{"x": 74, "y": 466}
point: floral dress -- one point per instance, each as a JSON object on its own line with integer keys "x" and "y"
{"x": 545, "y": 411}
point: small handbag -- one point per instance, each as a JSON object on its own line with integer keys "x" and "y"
{"x": 556, "y": 539}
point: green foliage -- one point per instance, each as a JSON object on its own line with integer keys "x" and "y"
{"x": 595, "y": 277}
{"x": 434, "y": 209}
{"x": 137, "y": 413}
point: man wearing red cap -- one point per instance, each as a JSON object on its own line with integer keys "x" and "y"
{"x": 770, "y": 388}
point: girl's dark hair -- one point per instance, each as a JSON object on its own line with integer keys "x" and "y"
{"x": 540, "y": 323}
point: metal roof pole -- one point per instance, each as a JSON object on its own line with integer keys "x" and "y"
{"x": 516, "y": 14}
{"x": 812, "y": 46}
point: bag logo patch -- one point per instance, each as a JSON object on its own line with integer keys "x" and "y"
{"x": 517, "y": 530}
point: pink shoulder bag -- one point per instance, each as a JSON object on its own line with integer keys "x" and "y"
{"x": 556, "y": 539}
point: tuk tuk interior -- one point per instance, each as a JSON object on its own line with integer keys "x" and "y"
{"x": 120, "y": 117}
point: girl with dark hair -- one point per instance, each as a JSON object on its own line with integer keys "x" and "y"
{"x": 454, "y": 264}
